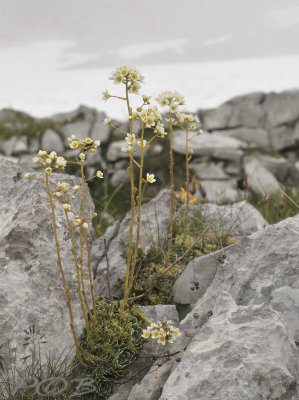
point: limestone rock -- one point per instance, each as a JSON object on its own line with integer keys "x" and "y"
{"x": 279, "y": 167}
{"x": 7, "y": 146}
{"x": 208, "y": 171}
{"x": 259, "y": 179}
{"x": 114, "y": 151}
{"x": 219, "y": 191}
{"x": 241, "y": 345}
{"x": 242, "y": 352}
{"x": 261, "y": 268}
{"x": 243, "y": 110}
{"x": 52, "y": 141}
{"x": 31, "y": 289}
{"x": 216, "y": 118}
{"x": 119, "y": 176}
{"x": 282, "y": 107}
{"x": 20, "y": 146}
{"x": 202, "y": 270}
{"x": 80, "y": 113}
{"x": 205, "y": 144}
{"x": 99, "y": 130}
{"x": 240, "y": 218}
{"x": 256, "y": 136}
{"x": 282, "y": 137}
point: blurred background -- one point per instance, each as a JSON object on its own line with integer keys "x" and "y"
{"x": 57, "y": 54}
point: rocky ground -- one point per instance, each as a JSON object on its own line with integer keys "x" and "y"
{"x": 237, "y": 308}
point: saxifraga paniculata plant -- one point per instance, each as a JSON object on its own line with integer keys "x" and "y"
{"x": 61, "y": 196}
{"x": 113, "y": 331}
{"x": 149, "y": 118}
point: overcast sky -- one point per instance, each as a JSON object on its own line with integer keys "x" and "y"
{"x": 154, "y": 31}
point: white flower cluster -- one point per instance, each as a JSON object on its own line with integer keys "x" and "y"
{"x": 170, "y": 98}
{"x": 163, "y": 332}
{"x": 128, "y": 75}
{"x": 85, "y": 145}
{"x": 50, "y": 161}
{"x": 189, "y": 120}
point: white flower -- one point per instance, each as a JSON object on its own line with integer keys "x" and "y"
{"x": 127, "y": 149}
{"x": 53, "y": 155}
{"x": 146, "y": 333}
{"x": 96, "y": 143}
{"x": 27, "y": 175}
{"x": 130, "y": 139}
{"x": 48, "y": 161}
{"x": 48, "y": 170}
{"x": 135, "y": 88}
{"x": 107, "y": 121}
{"x": 82, "y": 156}
{"x": 150, "y": 178}
{"x": 141, "y": 143}
{"x": 76, "y": 188}
{"x": 88, "y": 140}
{"x": 74, "y": 144}
{"x": 57, "y": 194}
{"x": 149, "y": 121}
{"x": 42, "y": 153}
{"x": 67, "y": 207}
{"x": 155, "y": 334}
{"x": 77, "y": 221}
{"x": 85, "y": 225}
{"x": 162, "y": 340}
{"x": 106, "y": 95}
{"x": 60, "y": 162}
{"x": 36, "y": 160}
{"x": 100, "y": 174}
{"x": 176, "y": 332}
{"x": 64, "y": 187}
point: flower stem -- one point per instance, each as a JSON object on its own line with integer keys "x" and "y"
{"x": 187, "y": 183}
{"x": 93, "y": 316}
{"x": 169, "y": 247}
{"x": 59, "y": 264}
{"x": 139, "y": 198}
{"x": 78, "y": 281}
{"x": 131, "y": 172}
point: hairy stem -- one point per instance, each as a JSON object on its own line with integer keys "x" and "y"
{"x": 59, "y": 264}
{"x": 187, "y": 183}
{"x": 139, "y": 198}
{"x": 169, "y": 247}
{"x": 78, "y": 281}
{"x": 131, "y": 172}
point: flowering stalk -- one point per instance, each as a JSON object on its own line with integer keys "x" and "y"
{"x": 139, "y": 198}
{"x": 172, "y": 100}
{"x": 131, "y": 172}
{"x": 147, "y": 118}
{"x": 187, "y": 182}
{"x": 187, "y": 122}
{"x": 88, "y": 250}
{"x": 78, "y": 282}
{"x": 52, "y": 162}
{"x": 169, "y": 245}
{"x": 67, "y": 291}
